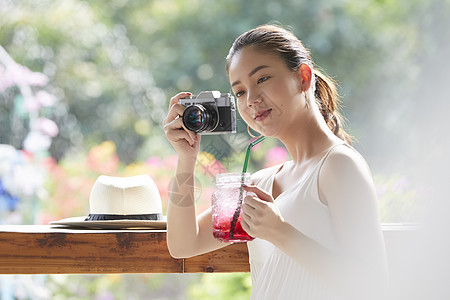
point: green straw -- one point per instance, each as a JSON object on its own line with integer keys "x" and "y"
{"x": 247, "y": 154}
{"x": 241, "y": 191}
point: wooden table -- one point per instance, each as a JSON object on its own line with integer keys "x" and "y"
{"x": 40, "y": 249}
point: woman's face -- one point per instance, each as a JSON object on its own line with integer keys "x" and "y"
{"x": 268, "y": 94}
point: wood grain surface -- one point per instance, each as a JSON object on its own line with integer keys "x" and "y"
{"x": 39, "y": 249}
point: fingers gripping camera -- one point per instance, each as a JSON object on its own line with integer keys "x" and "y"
{"x": 210, "y": 112}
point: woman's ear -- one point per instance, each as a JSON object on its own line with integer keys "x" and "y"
{"x": 304, "y": 74}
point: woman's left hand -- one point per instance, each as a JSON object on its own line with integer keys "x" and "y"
{"x": 260, "y": 216}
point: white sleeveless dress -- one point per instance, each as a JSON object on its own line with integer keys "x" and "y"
{"x": 274, "y": 274}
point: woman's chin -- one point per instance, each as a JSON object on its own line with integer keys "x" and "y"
{"x": 268, "y": 132}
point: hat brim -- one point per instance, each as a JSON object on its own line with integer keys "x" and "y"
{"x": 111, "y": 224}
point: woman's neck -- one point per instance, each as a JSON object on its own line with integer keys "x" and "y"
{"x": 308, "y": 138}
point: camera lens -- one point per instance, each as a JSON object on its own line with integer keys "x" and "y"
{"x": 200, "y": 117}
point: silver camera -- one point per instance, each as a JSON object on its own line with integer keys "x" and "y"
{"x": 210, "y": 112}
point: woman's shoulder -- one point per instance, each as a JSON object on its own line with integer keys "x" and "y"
{"x": 344, "y": 167}
{"x": 345, "y": 158}
{"x": 345, "y": 178}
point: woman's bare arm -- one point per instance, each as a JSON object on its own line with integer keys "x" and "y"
{"x": 187, "y": 234}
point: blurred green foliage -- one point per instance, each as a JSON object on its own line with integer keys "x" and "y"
{"x": 221, "y": 286}
{"x": 113, "y": 66}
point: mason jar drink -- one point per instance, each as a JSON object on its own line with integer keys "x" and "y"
{"x": 226, "y": 203}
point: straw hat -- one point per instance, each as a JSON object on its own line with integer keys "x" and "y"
{"x": 121, "y": 202}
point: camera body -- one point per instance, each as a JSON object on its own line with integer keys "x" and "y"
{"x": 210, "y": 112}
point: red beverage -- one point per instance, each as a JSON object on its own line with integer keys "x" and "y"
{"x": 226, "y": 207}
{"x": 221, "y": 231}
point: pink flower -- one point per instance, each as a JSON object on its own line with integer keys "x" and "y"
{"x": 33, "y": 103}
{"x": 47, "y": 127}
{"x": 154, "y": 161}
{"x": 275, "y": 156}
{"x": 21, "y": 75}
{"x": 45, "y": 99}
{"x": 16, "y": 74}
{"x": 170, "y": 162}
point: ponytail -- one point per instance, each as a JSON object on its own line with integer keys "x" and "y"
{"x": 327, "y": 99}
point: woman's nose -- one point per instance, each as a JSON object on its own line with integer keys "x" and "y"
{"x": 254, "y": 97}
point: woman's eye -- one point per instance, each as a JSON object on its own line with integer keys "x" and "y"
{"x": 239, "y": 94}
{"x": 262, "y": 79}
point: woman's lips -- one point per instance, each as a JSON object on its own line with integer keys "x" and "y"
{"x": 262, "y": 115}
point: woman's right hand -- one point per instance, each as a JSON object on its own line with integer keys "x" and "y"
{"x": 185, "y": 142}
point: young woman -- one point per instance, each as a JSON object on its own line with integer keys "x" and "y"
{"x": 314, "y": 218}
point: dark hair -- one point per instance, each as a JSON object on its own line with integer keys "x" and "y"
{"x": 275, "y": 39}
